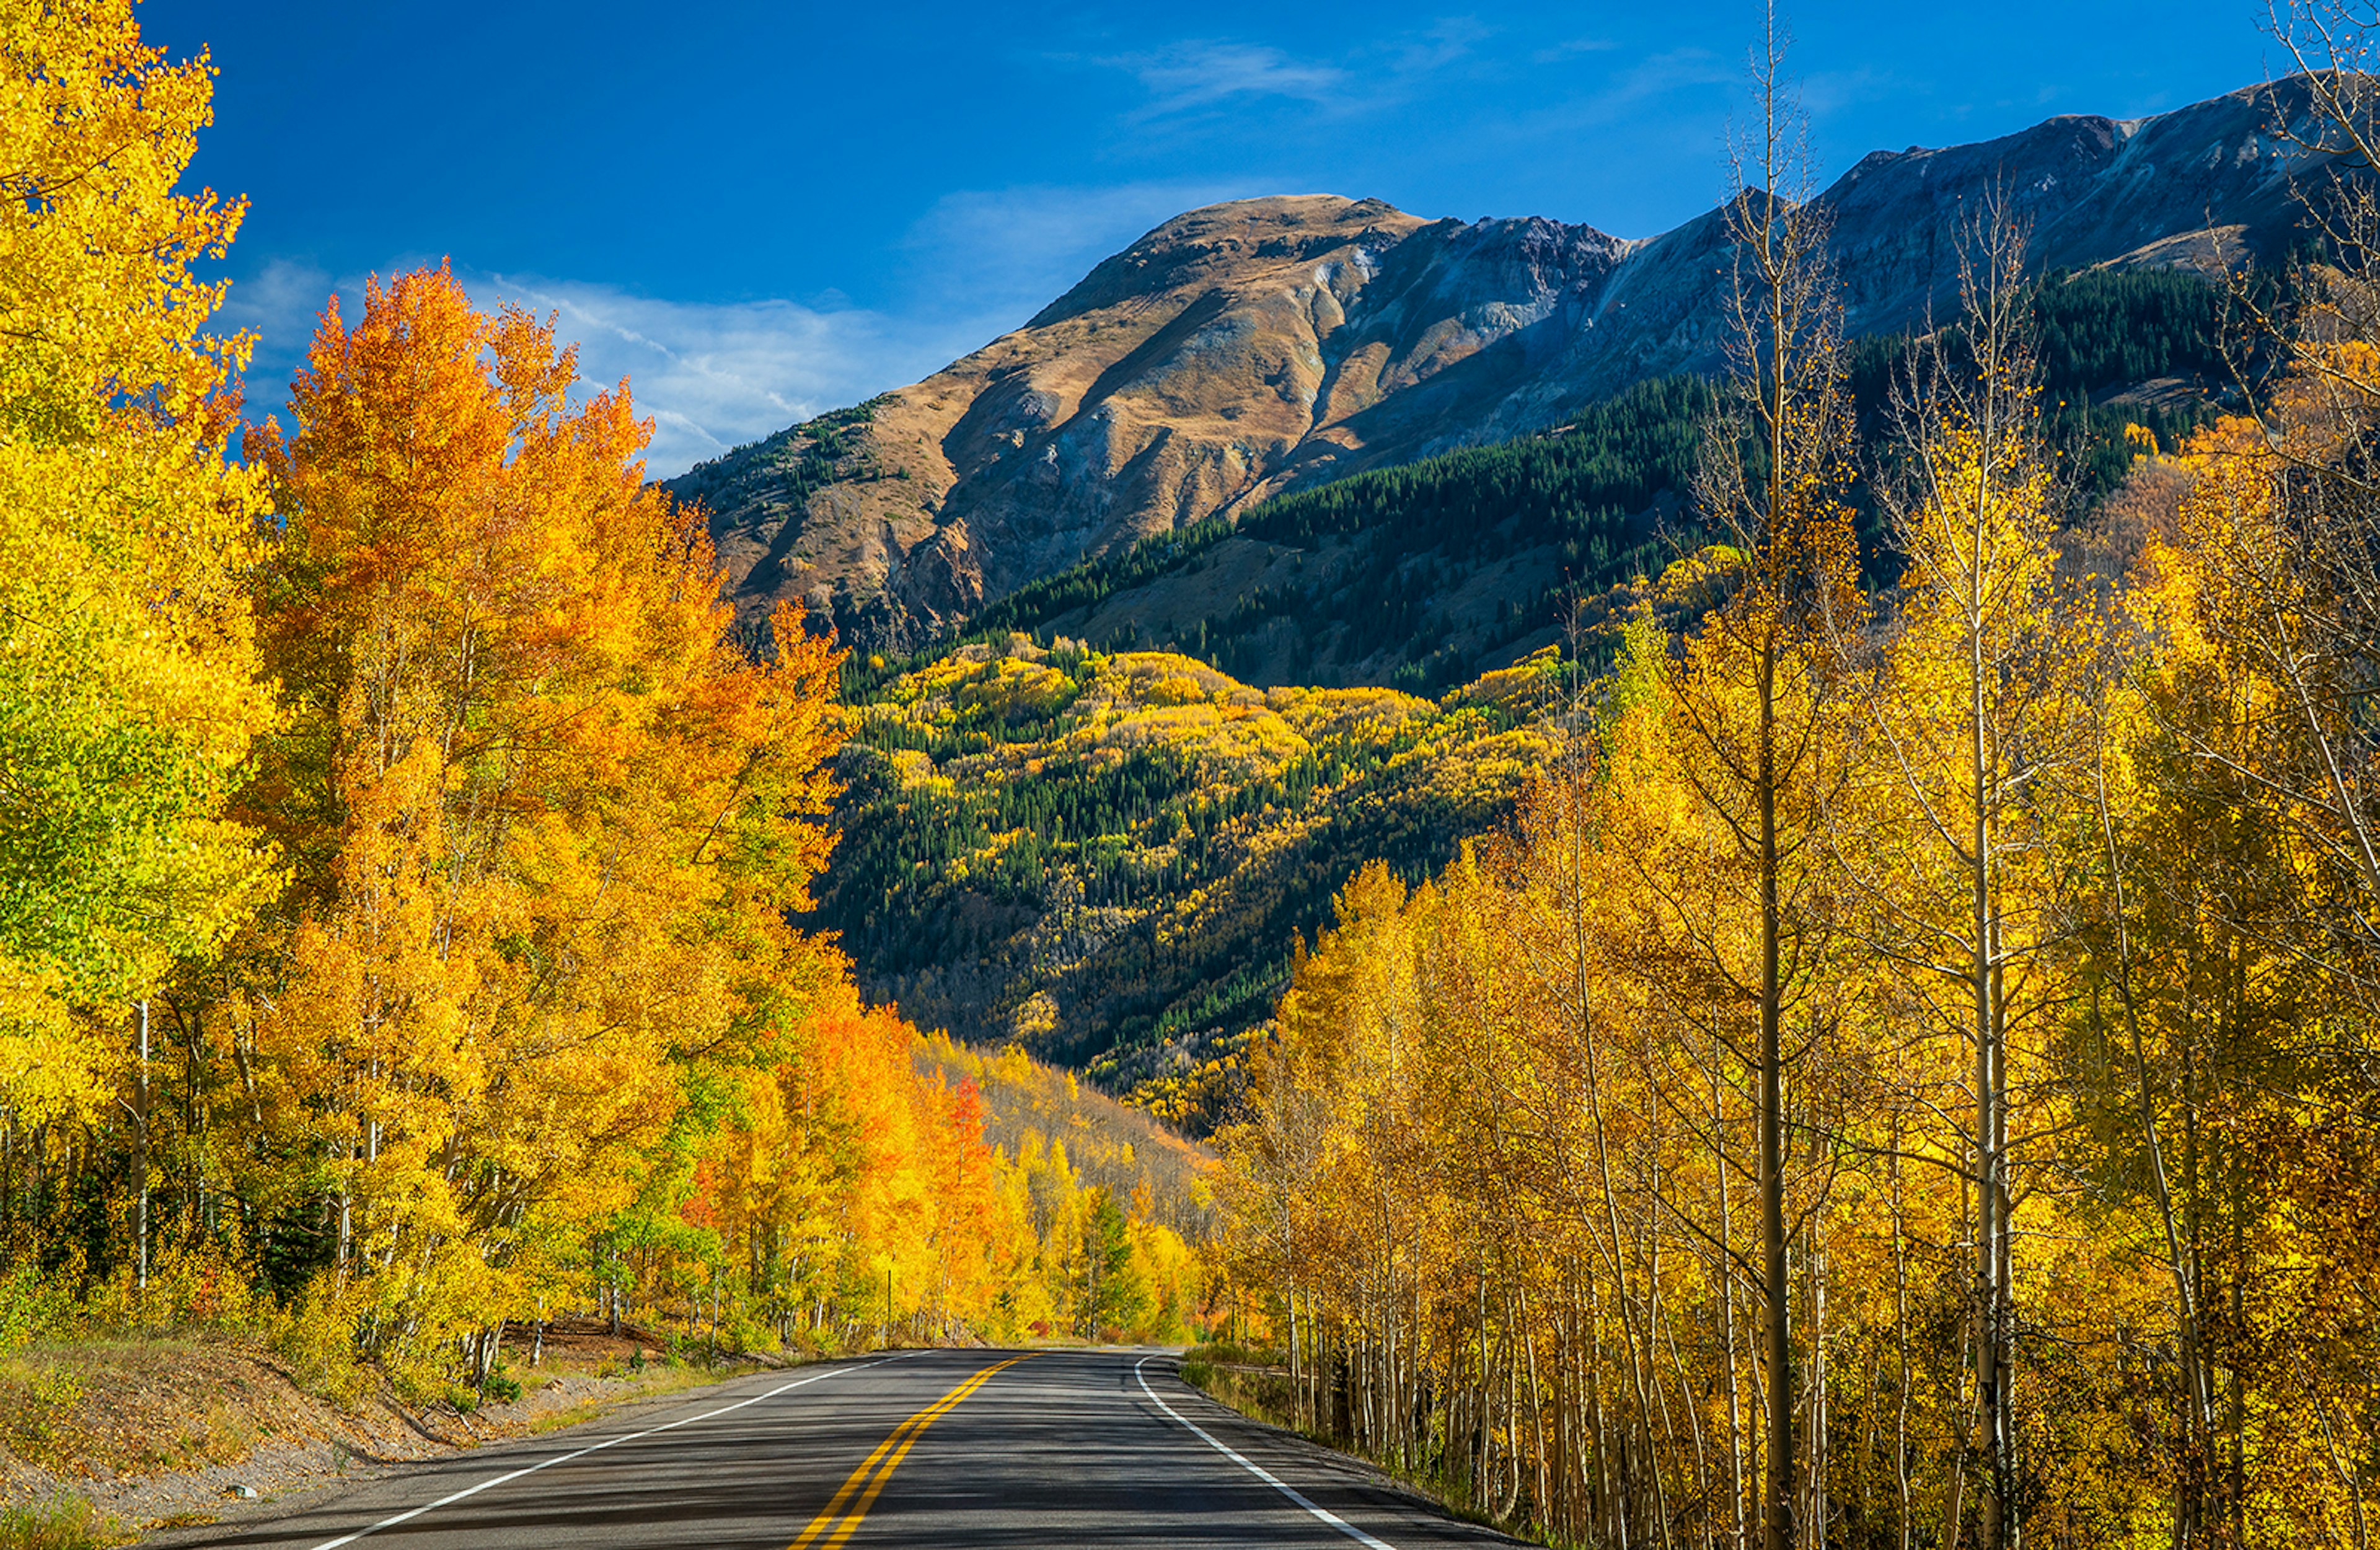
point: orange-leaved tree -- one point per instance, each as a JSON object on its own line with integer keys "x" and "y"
{"x": 548, "y": 816}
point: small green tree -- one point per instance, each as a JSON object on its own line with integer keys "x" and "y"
{"x": 1114, "y": 1295}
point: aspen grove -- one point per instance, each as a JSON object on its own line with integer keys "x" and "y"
{"x": 1909, "y": 1074}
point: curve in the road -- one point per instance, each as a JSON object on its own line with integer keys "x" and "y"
{"x": 1284, "y": 1488}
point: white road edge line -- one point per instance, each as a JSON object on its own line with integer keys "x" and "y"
{"x": 591, "y": 1447}
{"x": 1292, "y": 1492}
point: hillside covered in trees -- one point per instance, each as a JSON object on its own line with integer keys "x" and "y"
{"x": 1107, "y": 857}
{"x": 1059, "y": 842}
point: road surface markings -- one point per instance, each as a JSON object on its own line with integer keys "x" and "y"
{"x": 591, "y": 1447}
{"x": 838, "y": 1525}
{"x": 1292, "y": 1492}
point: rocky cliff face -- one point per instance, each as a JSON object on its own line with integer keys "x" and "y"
{"x": 1257, "y": 346}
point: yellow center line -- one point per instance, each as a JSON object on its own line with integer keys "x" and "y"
{"x": 838, "y": 1525}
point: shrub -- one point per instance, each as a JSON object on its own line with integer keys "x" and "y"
{"x": 31, "y": 1306}
{"x": 500, "y": 1387}
{"x": 35, "y": 1398}
{"x": 316, "y": 1338}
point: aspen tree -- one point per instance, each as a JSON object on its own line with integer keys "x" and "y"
{"x": 1976, "y": 718}
{"x": 128, "y": 659}
{"x": 1752, "y": 691}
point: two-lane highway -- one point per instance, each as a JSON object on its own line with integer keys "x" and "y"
{"x": 944, "y": 1448}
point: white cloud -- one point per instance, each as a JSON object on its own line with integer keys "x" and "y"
{"x": 1660, "y": 75}
{"x": 1379, "y": 75}
{"x": 1434, "y": 49}
{"x": 1830, "y": 92}
{"x": 1571, "y": 48}
{"x": 279, "y": 305}
{"x": 710, "y": 375}
{"x": 715, "y": 375}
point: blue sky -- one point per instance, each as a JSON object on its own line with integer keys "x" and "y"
{"x": 758, "y": 212}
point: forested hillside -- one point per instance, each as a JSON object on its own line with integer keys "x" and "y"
{"x": 1091, "y": 847}
{"x": 1107, "y": 858}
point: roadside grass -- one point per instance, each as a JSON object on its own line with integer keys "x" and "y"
{"x": 168, "y": 1417}
{"x": 148, "y": 1400}
{"x": 39, "y": 1395}
{"x": 146, "y": 1406}
{"x": 1251, "y": 1381}
{"x": 68, "y": 1524}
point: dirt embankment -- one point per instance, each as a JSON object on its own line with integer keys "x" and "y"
{"x": 170, "y": 1431}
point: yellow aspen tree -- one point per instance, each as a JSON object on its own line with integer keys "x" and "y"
{"x": 1753, "y": 690}
{"x": 1978, "y": 727}
{"x": 127, "y": 666}
{"x": 2246, "y": 960}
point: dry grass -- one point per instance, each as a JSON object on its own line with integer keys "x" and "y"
{"x": 153, "y": 1433}
{"x": 143, "y": 1406}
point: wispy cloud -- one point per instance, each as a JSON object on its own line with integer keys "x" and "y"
{"x": 1195, "y": 74}
{"x": 1571, "y": 48}
{"x": 715, "y": 375}
{"x": 1830, "y": 92}
{"x": 1434, "y": 48}
{"x": 279, "y": 305}
{"x": 1021, "y": 248}
{"x": 1661, "y": 74}
{"x": 1201, "y": 72}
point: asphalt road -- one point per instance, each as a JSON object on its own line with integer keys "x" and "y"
{"x": 943, "y": 1448}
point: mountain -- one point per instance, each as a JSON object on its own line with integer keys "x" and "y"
{"x": 1267, "y": 346}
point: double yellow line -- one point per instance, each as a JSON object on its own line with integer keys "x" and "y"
{"x": 835, "y": 1524}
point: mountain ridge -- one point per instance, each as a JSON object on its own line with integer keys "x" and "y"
{"x": 1262, "y": 346}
